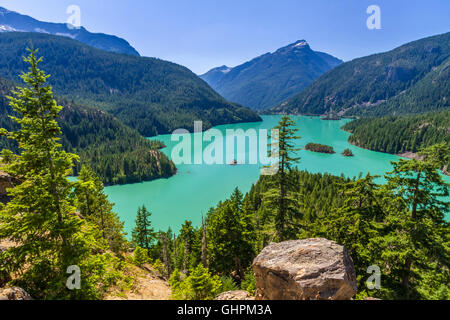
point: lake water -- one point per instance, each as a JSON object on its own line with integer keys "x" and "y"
{"x": 196, "y": 188}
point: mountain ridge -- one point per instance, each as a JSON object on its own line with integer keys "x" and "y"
{"x": 11, "y": 21}
{"x": 272, "y": 77}
{"x": 368, "y": 85}
{"x": 148, "y": 94}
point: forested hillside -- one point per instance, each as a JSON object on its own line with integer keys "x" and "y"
{"x": 117, "y": 153}
{"x": 411, "y": 78}
{"x": 148, "y": 94}
{"x": 271, "y": 78}
{"x": 430, "y": 93}
{"x": 400, "y": 134}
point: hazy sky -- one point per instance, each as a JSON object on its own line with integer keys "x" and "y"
{"x": 202, "y": 34}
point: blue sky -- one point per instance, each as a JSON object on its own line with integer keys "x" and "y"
{"x": 202, "y": 34}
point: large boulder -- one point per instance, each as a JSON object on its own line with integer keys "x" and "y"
{"x": 235, "y": 295}
{"x": 311, "y": 269}
{"x": 14, "y": 293}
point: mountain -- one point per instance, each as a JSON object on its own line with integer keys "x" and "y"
{"x": 410, "y": 79}
{"x": 117, "y": 153}
{"x": 12, "y": 21}
{"x": 271, "y": 78}
{"x": 150, "y": 95}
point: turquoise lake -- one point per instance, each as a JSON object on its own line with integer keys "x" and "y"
{"x": 195, "y": 188}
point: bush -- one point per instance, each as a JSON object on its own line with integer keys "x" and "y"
{"x": 249, "y": 282}
{"x": 228, "y": 284}
{"x": 140, "y": 256}
{"x": 199, "y": 285}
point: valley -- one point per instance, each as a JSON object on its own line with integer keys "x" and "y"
{"x": 293, "y": 175}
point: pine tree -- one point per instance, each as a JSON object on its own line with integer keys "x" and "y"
{"x": 229, "y": 242}
{"x": 204, "y": 256}
{"x": 93, "y": 204}
{"x": 418, "y": 245}
{"x": 280, "y": 197}
{"x": 143, "y": 234}
{"x": 40, "y": 219}
{"x": 187, "y": 236}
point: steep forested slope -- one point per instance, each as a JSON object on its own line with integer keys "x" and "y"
{"x": 148, "y": 94}
{"x": 411, "y": 78}
{"x": 273, "y": 77}
{"x": 117, "y": 153}
{"x": 400, "y": 134}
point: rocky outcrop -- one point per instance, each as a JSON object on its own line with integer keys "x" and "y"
{"x": 235, "y": 295}
{"x": 311, "y": 269}
{"x": 14, "y": 293}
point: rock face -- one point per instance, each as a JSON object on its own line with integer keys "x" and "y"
{"x": 311, "y": 269}
{"x": 235, "y": 295}
{"x": 14, "y": 293}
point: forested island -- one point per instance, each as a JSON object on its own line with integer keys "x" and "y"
{"x": 348, "y": 153}
{"x": 320, "y": 148}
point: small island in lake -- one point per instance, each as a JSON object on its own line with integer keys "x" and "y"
{"x": 316, "y": 147}
{"x": 347, "y": 153}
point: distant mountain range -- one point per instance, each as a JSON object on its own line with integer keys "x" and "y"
{"x": 413, "y": 78}
{"x": 150, "y": 95}
{"x": 271, "y": 78}
{"x": 12, "y": 21}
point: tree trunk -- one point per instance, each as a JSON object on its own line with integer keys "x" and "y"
{"x": 416, "y": 191}
{"x": 204, "y": 247}
{"x": 406, "y": 278}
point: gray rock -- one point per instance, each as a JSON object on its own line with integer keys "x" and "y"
{"x": 235, "y": 295}
{"x": 14, "y": 293}
{"x": 311, "y": 269}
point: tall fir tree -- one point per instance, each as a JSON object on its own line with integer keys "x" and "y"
{"x": 143, "y": 235}
{"x": 280, "y": 197}
{"x": 93, "y": 204}
{"x": 40, "y": 219}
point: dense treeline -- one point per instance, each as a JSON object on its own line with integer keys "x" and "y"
{"x": 117, "y": 153}
{"x": 399, "y": 227}
{"x": 400, "y": 134}
{"x": 147, "y": 94}
{"x": 414, "y": 76}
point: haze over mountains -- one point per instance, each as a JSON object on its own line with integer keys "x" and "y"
{"x": 413, "y": 78}
{"x": 271, "y": 78}
{"x": 13, "y": 21}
